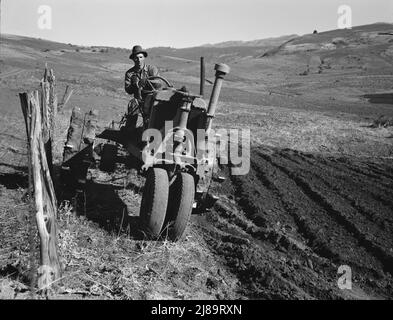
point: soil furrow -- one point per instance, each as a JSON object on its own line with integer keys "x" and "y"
{"x": 336, "y": 240}
{"x": 265, "y": 272}
{"x": 302, "y": 215}
{"x": 359, "y": 198}
{"x": 257, "y": 197}
{"x": 341, "y": 218}
{"x": 378, "y": 180}
{"x": 287, "y": 210}
{"x": 388, "y": 172}
{"x": 360, "y": 182}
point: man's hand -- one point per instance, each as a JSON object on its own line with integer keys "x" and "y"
{"x": 142, "y": 83}
{"x": 134, "y": 80}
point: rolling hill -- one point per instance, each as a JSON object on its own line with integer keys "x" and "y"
{"x": 318, "y": 194}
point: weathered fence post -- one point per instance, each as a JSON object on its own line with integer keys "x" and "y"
{"x": 39, "y": 119}
{"x": 78, "y": 153}
{"x": 31, "y": 220}
{"x": 48, "y": 111}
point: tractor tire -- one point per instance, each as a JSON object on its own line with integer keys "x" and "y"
{"x": 108, "y": 157}
{"x": 181, "y": 199}
{"x": 154, "y": 201}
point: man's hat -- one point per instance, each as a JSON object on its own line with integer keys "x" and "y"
{"x": 136, "y": 50}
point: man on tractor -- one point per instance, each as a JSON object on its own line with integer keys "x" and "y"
{"x": 137, "y": 83}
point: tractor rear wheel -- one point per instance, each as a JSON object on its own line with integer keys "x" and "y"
{"x": 181, "y": 199}
{"x": 154, "y": 201}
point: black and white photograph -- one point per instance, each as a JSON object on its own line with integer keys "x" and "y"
{"x": 212, "y": 152}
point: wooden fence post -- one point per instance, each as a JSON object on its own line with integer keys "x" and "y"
{"x": 48, "y": 111}
{"x": 26, "y": 116}
{"x": 44, "y": 195}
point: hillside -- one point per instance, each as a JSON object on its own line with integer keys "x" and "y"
{"x": 318, "y": 194}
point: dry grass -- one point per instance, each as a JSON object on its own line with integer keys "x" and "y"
{"x": 307, "y": 131}
{"x": 17, "y": 250}
{"x": 114, "y": 266}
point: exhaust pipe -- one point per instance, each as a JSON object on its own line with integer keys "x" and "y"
{"x": 221, "y": 71}
{"x": 202, "y": 78}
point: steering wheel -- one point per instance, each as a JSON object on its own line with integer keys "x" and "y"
{"x": 168, "y": 84}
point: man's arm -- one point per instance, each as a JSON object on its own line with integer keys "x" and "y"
{"x": 153, "y": 72}
{"x": 131, "y": 83}
{"x": 128, "y": 85}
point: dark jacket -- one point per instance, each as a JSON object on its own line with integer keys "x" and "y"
{"x": 130, "y": 84}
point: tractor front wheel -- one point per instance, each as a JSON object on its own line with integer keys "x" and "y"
{"x": 181, "y": 199}
{"x": 154, "y": 201}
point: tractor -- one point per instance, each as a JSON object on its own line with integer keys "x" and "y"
{"x": 175, "y": 151}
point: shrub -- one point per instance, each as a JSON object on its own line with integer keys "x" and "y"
{"x": 382, "y": 121}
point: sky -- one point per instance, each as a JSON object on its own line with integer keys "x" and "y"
{"x": 180, "y": 23}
